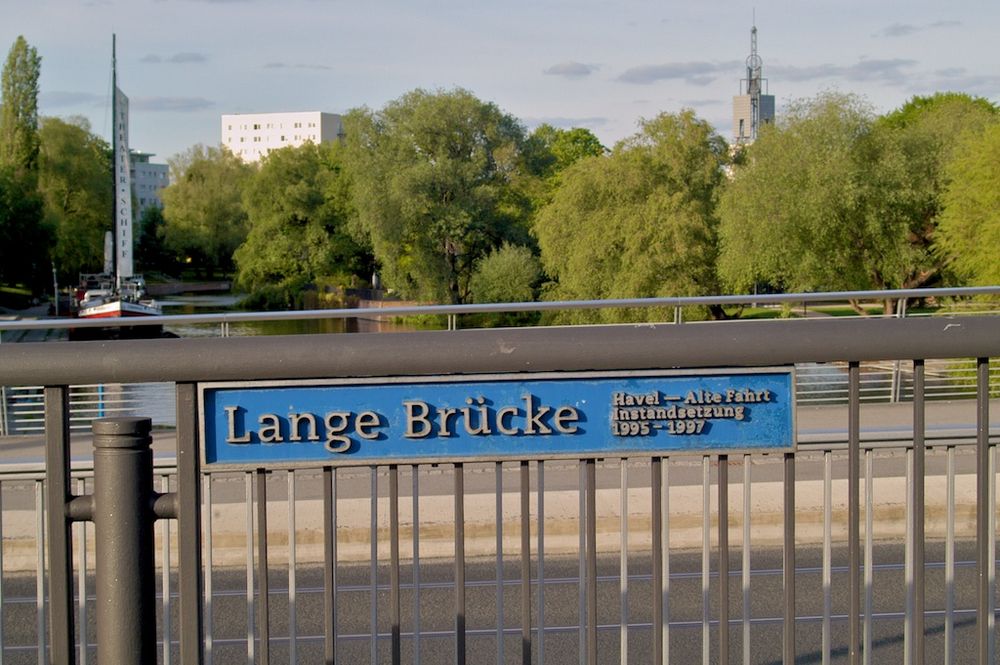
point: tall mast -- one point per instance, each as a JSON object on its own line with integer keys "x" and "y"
{"x": 123, "y": 179}
{"x": 110, "y": 268}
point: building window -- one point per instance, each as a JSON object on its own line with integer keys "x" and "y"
{"x": 256, "y": 126}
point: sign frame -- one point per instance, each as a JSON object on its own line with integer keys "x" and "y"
{"x": 348, "y": 461}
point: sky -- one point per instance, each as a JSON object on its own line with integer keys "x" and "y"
{"x": 571, "y": 63}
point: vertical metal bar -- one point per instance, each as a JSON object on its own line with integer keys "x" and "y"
{"x": 498, "y": 478}
{"x": 209, "y": 637}
{"x": 623, "y": 564}
{"x": 582, "y": 573}
{"x": 908, "y": 561}
{"x": 827, "y": 552}
{"x": 373, "y": 566}
{"x": 459, "y": 564}
{"x": 788, "y": 562}
{"x": 189, "y": 545}
{"x": 656, "y": 492}
{"x": 263, "y": 584}
{"x": 869, "y": 558}
{"x": 394, "y": 606}
{"x": 983, "y": 509}
{"x": 853, "y": 514}
{"x": 165, "y": 575}
{"x": 525, "y": 564}
{"x": 82, "y": 593}
{"x": 251, "y": 631}
{"x": 991, "y": 557}
{"x": 60, "y": 535}
{"x": 292, "y": 565}
{"x": 723, "y": 482}
{"x": 706, "y": 565}
{"x": 416, "y": 565}
{"x": 329, "y": 565}
{"x": 540, "y": 565}
{"x": 949, "y": 563}
{"x": 591, "y": 467}
{"x": 747, "y": 472}
{"x": 665, "y": 562}
{"x": 81, "y": 600}
{"x": 40, "y": 569}
{"x": 919, "y": 469}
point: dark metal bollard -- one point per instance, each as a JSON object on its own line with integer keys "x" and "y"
{"x": 123, "y": 518}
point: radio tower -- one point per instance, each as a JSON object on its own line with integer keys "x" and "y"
{"x": 751, "y": 108}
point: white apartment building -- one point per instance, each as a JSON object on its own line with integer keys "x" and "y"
{"x": 148, "y": 178}
{"x": 251, "y": 136}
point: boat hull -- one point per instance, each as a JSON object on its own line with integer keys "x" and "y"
{"x": 110, "y": 310}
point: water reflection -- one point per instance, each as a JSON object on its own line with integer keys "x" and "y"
{"x": 210, "y": 304}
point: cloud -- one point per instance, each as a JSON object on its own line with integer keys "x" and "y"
{"x": 64, "y": 98}
{"x": 571, "y": 70}
{"x": 905, "y": 29}
{"x": 176, "y": 59}
{"x": 172, "y": 104}
{"x": 886, "y": 71}
{"x": 287, "y": 65}
{"x": 564, "y": 122}
{"x": 959, "y": 79}
{"x": 700, "y": 102}
{"x": 696, "y": 73}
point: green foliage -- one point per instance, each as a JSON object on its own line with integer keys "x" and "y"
{"x": 435, "y": 177}
{"x": 507, "y": 274}
{"x": 820, "y": 204}
{"x": 299, "y": 209}
{"x": 205, "y": 220}
{"x": 942, "y": 104}
{"x": 23, "y": 237}
{"x": 75, "y": 184}
{"x": 968, "y": 236}
{"x": 928, "y": 131}
{"x": 151, "y": 254}
{"x": 19, "y": 108}
{"x": 557, "y": 149}
{"x": 638, "y": 223}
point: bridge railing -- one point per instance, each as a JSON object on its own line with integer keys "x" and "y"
{"x": 630, "y": 606}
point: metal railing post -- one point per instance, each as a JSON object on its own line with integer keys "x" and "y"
{"x": 123, "y": 519}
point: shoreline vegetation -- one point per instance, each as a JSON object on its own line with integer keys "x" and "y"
{"x": 441, "y": 197}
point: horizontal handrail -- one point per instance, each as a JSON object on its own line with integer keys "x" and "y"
{"x": 506, "y": 350}
{"x": 451, "y": 310}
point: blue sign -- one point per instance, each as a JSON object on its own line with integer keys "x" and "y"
{"x": 500, "y": 416}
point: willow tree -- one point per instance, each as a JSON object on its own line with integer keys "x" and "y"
{"x": 639, "y": 222}
{"x": 820, "y": 204}
{"x": 434, "y": 178}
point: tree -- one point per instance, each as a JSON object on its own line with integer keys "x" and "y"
{"x": 23, "y": 238}
{"x": 640, "y": 222}
{"x": 205, "y": 220}
{"x": 151, "y": 253}
{"x": 558, "y": 149}
{"x": 928, "y": 131}
{"x": 968, "y": 237}
{"x": 75, "y": 185}
{"x": 299, "y": 211}
{"x": 509, "y": 273}
{"x": 19, "y": 108}
{"x": 434, "y": 177}
{"x": 821, "y": 203}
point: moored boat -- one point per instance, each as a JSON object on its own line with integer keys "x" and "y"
{"x": 117, "y": 292}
